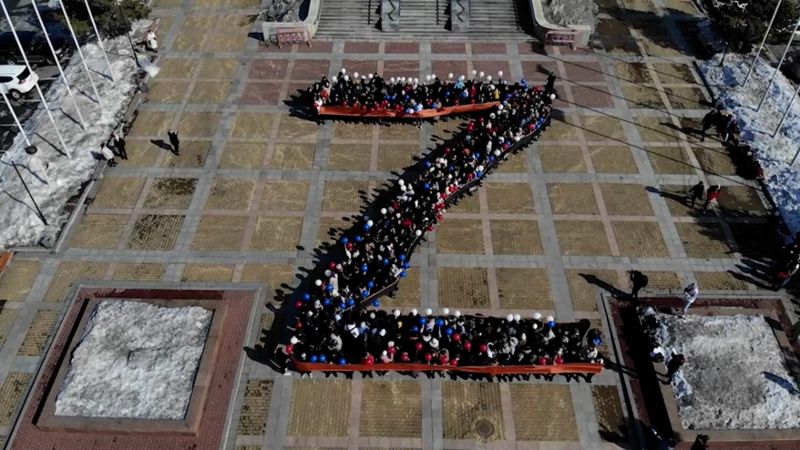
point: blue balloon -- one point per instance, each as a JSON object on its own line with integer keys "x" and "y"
{"x": 406, "y": 265}
{"x": 426, "y": 185}
{"x": 376, "y": 303}
{"x": 477, "y": 155}
{"x": 358, "y": 238}
{"x": 370, "y": 284}
{"x": 366, "y": 226}
{"x": 364, "y": 268}
{"x": 596, "y": 341}
{"x": 414, "y": 329}
{"x": 402, "y": 274}
{"x": 422, "y": 321}
{"x": 523, "y": 81}
{"x": 344, "y": 240}
{"x": 350, "y": 302}
{"x": 323, "y": 358}
{"x": 342, "y": 361}
{"x": 313, "y": 358}
{"x": 365, "y": 293}
{"x": 329, "y": 287}
{"x": 508, "y": 143}
{"x": 448, "y": 331}
{"x": 386, "y": 260}
{"x": 479, "y": 173}
{"x": 447, "y": 94}
{"x": 551, "y": 324}
{"x": 450, "y": 168}
{"x": 508, "y": 95}
{"x": 439, "y": 322}
{"x": 406, "y": 97}
{"x": 306, "y": 296}
{"x": 342, "y": 305}
{"x": 427, "y": 163}
{"x": 491, "y": 157}
{"x": 402, "y": 257}
{"x": 326, "y": 302}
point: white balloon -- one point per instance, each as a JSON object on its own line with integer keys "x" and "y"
{"x": 428, "y": 312}
{"x": 370, "y": 76}
{"x": 474, "y": 72}
{"x": 549, "y": 319}
{"x": 552, "y": 96}
{"x": 461, "y": 78}
{"x": 396, "y": 313}
{"x": 414, "y": 312}
{"x": 450, "y": 75}
{"x": 418, "y": 232}
{"x": 383, "y": 211}
{"x": 318, "y": 282}
{"x": 457, "y": 313}
{"x": 446, "y": 311}
{"x": 537, "y": 315}
{"x": 481, "y": 74}
{"x": 517, "y": 317}
{"x": 500, "y": 74}
{"x": 328, "y": 273}
{"x": 401, "y": 182}
{"x": 344, "y": 70}
{"x": 510, "y": 318}
{"x": 416, "y": 80}
{"x": 497, "y": 153}
{"x": 370, "y": 223}
{"x": 489, "y": 78}
{"x": 391, "y": 80}
{"x": 355, "y": 74}
{"x": 427, "y": 78}
{"x": 347, "y": 78}
{"x": 433, "y": 75}
{"x": 334, "y": 79}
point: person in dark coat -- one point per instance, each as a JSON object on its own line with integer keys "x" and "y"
{"x": 674, "y": 365}
{"x": 696, "y": 193}
{"x": 709, "y": 121}
{"x": 639, "y": 281}
{"x": 174, "y": 141}
{"x": 700, "y": 442}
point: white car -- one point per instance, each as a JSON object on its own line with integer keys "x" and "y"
{"x": 17, "y": 80}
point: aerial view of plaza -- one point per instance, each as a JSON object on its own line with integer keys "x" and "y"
{"x": 406, "y": 224}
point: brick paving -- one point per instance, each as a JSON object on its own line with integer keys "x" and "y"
{"x": 256, "y": 189}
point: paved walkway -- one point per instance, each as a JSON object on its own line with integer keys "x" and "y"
{"x": 255, "y": 190}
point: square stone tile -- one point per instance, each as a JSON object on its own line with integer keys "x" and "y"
{"x": 524, "y": 289}
{"x": 670, "y": 160}
{"x": 754, "y": 242}
{"x": 714, "y": 160}
{"x": 284, "y": 195}
{"x": 329, "y": 230}
{"x": 603, "y": 128}
{"x": 230, "y": 194}
{"x": 684, "y": 6}
{"x": 17, "y": 279}
{"x": 448, "y": 47}
{"x": 640, "y": 239}
{"x": 231, "y": 34}
{"x": 592, "y": 96}
{"x": 660, "y": 280}
{"x": 293, "y": 156}
{"x": 741, "y": 201}
{"x": 516, "y": 237}
{"x": 719, "y": 281}
{"x": 632, "y": 72}
{"x": 193, "y": 155}
{"x": 261, "y": 93}
{"x": 276, "y": 276}
{"x": 686, "y": 97}
{"x": 311, "y": 69}
{"x": 396, "y": 157}
{"x": 320, "y": 408}
{"x": 572, "y": 198}
{"x": 562, "y": 159}
{"x": 7, "y": 318}
{"x": 469, "y": 204}
{"x": 69, "y": 272}
{"x": 219, "y": 233}
{"x": 98, "y": 231}
{"x": 257, "y": 397}
{"x": 402, "y": 420}
{"x": 514, "y": 163}
{"x": 344, "y": 195}
{"x": 208, "y": 272}
{"x": 170, "y": 193}
{"x": 361, "y": 47}
{"x": 167, "y": 91}
{"x": 362, "y": 67}
{"x": 346, "y": 131}
{"x": 39, "y": 331}
{"x": 219, "y": 68}
{"x": 178, "y": 68}
{"x": 151, "y": 123}
{"x": 660, "y": 46}
{"x": 639, "y": 96}
{"x": 626, "y": 199}
{"x": 512, "y": 198}
{"x": 142, "y": 153}
{"x": 118, "y": 192}
{"x": 268, "y": 69}
{"x": 703, "y": 240}
{"x": 442, "y": 68}
{"x": 463, "y": 287}
{"x": 409, "y": 293}
{"x": 401, "y": 68}
{"x": 561, "y": 129}
{"x": 466, "y": 405}
{"x": 243, "y": 155}
{"x": 139, "y": 272}
{"x": 582, "y": 237}
{"x": 583, "y": 286}
{"x": 349, "y": 157}
{"x": 251, "y": 125}
{"x": 536, "y": 71}
{"x": 584, "y": 71}
{"x": 543, "y": 412}
{"x": 674, "y": 73}
{"x": 194, "y": 33}
{"x": 199, "y": 124}
{"x": 155, "y": 232}
{"x": 459, "y": 236}
{"x": 610, "y": 415}
{"x": 448, "y": 127}
{"x": 211, "y": 92}
{"x": 621, "y": 46}
{"x": 401, "y": 47}
{"x": 656, "y": 129}
{"x": 12, "y": 393}
{"x": 277, "y": 233}
{"x": 164, "y": 25}
{"x": 295, "y": 128}
{"x": 398, "y": 132}
{"x": 677, "y": 198}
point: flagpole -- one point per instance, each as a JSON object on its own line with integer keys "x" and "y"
{"x": 16, "y": 119}
{"x": 99, "y": 39}
{"x": 38, "y": 89}
{"x": 80, "y": 53}
{"x": 786, "y": 113}
{"x": 778, "y": 67}
{"x": 763, "y": 41}
{"x": 58, "y": 64}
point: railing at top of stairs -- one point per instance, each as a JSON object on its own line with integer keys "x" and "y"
{"x": 459, "y": 15}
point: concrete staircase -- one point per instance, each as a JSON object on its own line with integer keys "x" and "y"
{"x": 490, "y": 20}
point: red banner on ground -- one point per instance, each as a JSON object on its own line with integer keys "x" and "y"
{"x": 425, "y": 113}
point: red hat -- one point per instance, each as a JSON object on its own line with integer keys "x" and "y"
{"x": 404, "y": 356}
{"x": 419, "y": 346}
{"x": 467, "y": 345}
{"x": 483, "y": 347}
{"x": 456, "y": 336}
{"x": 428, "y": 357}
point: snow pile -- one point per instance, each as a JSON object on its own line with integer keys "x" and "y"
{"x": 283, "y": 11}
{"x": 774, "y": 154}
{"x": 135, "y": 360}
{"x": 735, "y": 376}
{"x": 571, "y": 12}
{"x": 19, "y": 223}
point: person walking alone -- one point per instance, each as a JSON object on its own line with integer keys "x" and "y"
{"x": 639, "y": 281}
{"x": 151, "y": 42}
{"x": 108, "y": 155}
{"x": 174, "y": 141}
{"x": 696, "y": 193}
{"x": 119, "y": 144}
{"x": 712, "y": 193}
{"x": 689, "y": 296}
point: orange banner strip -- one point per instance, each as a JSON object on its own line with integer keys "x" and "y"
{"x": 425, "y": 113}
{"x": 416, "y": 367}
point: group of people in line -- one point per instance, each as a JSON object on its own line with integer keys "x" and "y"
{"x": 334, "y": 328}
{"x": 724, "y": 123}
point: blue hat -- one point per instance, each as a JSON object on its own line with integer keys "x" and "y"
{"x": 427, "y": 164}
{"x": 491, "y": 157}
{"x": 376, "y": 303}
{"x": 342, "y": 305}
{"x": 366, "y": 226}
{"x": 414, "y": 329}
{"x": 364, "y": 267}
{"x": 596, "y": 341}
{"x": 406, "y": 265}
{"x": 551, "y": 324}
{"x": 426, "y": 185}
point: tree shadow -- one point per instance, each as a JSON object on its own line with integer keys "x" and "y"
{"x": 782, "y": 382}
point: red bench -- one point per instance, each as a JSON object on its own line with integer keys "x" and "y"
{"x": 560, "y": 38}
{"x": 292, "y": 36}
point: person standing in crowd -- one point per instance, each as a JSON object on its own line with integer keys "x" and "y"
{"x": 730, "y": 129}
{"x": 696, "y": 193}
{"x": 674, "y": 365}
{"x": 174, "y": 142}
{"x": 639, "y": 281}
{"x": 711, "y": 194}
{"x": 119, "y": 144}
{"x": 709, "y": 120}
{"x": 689, "y": 296}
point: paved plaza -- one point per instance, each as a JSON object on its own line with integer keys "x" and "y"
{"x": 256, "y": 189}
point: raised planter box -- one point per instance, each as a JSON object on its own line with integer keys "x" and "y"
{"x": 309, "y": 24}
{"x": 551, "y": 34}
